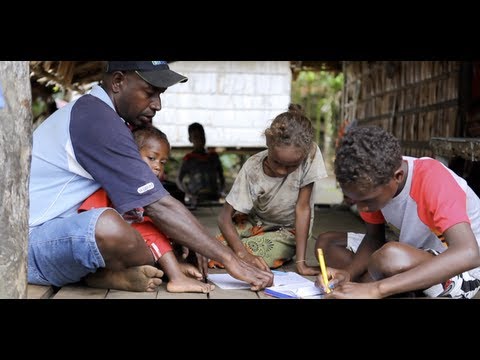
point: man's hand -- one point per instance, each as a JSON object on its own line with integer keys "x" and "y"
{"x": 241, "y": 270}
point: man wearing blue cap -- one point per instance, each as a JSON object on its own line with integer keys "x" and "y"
{"x": 86, "y": 145}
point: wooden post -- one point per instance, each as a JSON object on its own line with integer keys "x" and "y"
{"x": 15, "y": 156}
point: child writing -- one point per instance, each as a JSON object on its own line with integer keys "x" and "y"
{"x": 200, "y": 176}
{"x": 268, "y": 213}
{"x": 435, "y": 214}
{"x": 155, "y": 150}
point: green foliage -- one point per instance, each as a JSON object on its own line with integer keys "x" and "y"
{"x": 319, "y": 93}
{"x": 38, "y": 107}
{"x": 231, "y": 164}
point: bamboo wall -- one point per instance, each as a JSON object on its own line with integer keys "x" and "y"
{"x": 415, "y": 100}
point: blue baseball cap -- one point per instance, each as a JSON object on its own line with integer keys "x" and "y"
{"x": 156, "y": 73}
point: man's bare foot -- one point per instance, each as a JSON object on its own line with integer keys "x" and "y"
{"x": 190, "y": 270}
{"x": 138, "y": 278}
{"x": 186, "y": 284}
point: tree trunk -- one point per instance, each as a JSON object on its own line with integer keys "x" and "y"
{"x": 15, "y": 156}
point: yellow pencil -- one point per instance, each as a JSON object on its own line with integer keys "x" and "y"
{"x": 323, "y": 269}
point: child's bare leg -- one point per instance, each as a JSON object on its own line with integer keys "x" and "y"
{"x": 334, "y": 245}
{"x": 138, "y": 278}
{"x": 177, "y": 280}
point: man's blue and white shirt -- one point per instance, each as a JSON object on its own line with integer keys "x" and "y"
{"x": 81, "y": 147}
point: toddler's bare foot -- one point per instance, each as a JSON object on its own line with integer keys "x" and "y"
{"x": 138, "y": 278}
{"x": 190, "y": 270}
{"x": 186, "y": 284}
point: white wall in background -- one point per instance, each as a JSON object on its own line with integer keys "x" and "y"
{"x": 234, "y": 100}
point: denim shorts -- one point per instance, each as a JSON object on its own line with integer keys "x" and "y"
{"x": 64, "y": 250}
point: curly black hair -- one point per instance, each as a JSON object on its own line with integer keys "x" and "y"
{"x": 292, "y": 127}
{"x": 368, "y": 157}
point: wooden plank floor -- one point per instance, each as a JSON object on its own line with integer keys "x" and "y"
{"x": 325, "y": 219}
{"x": 83, "y": 292}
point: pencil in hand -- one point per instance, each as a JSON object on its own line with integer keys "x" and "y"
{"x": 323, "y": 269}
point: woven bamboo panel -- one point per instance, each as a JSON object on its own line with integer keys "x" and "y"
{"x": 415, "y": 100}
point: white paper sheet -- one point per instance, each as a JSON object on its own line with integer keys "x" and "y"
{"x": 281, "y": 278}
{"x": 227, "y": 282}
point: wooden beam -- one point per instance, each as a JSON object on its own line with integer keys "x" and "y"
{"x": 466, "y": 148}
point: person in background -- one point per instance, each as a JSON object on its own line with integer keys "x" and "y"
{"x": 433, "y": 212}
{"x": 268, "y": 214}
{"x": 200, "y": 175}
{"x": 87, "y": 145}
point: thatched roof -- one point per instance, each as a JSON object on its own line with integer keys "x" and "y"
{"x": 71, "y": 75}
{"x": 334, "y": 66}
{"x": 77, "y": 75}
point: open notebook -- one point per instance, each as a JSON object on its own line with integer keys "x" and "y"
{"x": 286, "y": 285}
{"x": 290, "y": 285}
